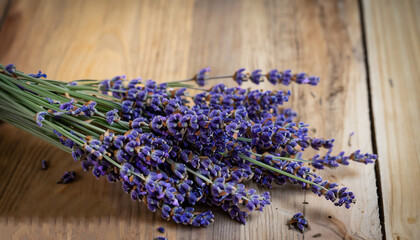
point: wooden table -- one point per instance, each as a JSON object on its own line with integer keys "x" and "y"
{"x": 367, "y": 55}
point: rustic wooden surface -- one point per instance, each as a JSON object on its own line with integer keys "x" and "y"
{"x": 169, "y": 40}
{"x": 393, "y": 37}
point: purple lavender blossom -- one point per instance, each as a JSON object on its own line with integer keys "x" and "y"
{"x": 201, "y": 76}
{"x": 40, "y": 117}
{"x": 286, "y": 77}
{"x": 67, "y": 106}
{"x": 273, "y": 76}
{"x": 240, "y": 76}
{"x": 10, "y": 69}
{"x": 112, "y": 116}
{"x": 256, "y": 76}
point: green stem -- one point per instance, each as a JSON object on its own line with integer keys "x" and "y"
{"x": 244, "y": 139}
{"x": 193, "y": 172}
{"x": 119, "y": 166}
{"x": 30, "y": 127}
{"x": 281, "y": 158}
{"x": 83, "y": 123}
{"x": 29, "y": 96}
{"x": 207, "y": 78}
{"x": 70, "y": 129}
{"x": 106, "y": 125}
{"x": 81, "y": 128}
{"x": 65, "y": 133}
{"x": 35, "y": 88}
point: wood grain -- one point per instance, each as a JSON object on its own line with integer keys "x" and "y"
{"x": 393, "y": 37}
{"x": 168, "y": 40}
{"x": 4, "y": 4}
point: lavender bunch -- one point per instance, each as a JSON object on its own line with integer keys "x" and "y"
{"x": 172, "y": 150}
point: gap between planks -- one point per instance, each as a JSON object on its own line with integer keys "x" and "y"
{"x": 372, "y": 120}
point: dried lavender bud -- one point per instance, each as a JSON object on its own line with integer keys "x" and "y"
{"x": 317, "y": 235}
{"x": 44, "y": 165}
{"x": 299, "y": 222}
{"x": 38, "y": 75}
{"x": 10, "y": 68}
{"x": 349, "y": 141}
{"x": 161, "y": 229}
{"x": 68, "y": 177}
{"x": 161, "y": 238}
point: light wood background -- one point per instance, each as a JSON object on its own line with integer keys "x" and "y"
{"x": 169, "y": 40}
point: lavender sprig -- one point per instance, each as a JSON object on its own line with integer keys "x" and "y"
{"x": 274, "y": 77}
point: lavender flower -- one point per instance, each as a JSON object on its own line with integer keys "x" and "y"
{"x": 112, "y": 116}
{"x": 239, "y": 76}
{"x": 286, "y": 77}
{"x": 201, "y": 76}
{"x": 256, "y": 76}
{"x": 273, "y": 76}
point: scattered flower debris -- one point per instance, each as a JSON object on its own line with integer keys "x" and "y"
{"x": 68, "y": 177}
{"x": 161, "y": 238}
{"x": 161, "y": 229}
{"x": 317, "y": 235}
{"x": 44, "y": 165}
{"x": 299, "y": 222}
{"x": 349, "y": 142}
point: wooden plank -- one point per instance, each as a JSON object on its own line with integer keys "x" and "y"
{"x": 168, "y": 40}
{"x": 393, "y": 37}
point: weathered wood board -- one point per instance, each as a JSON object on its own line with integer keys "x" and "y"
{"x": 169, "y": 40}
